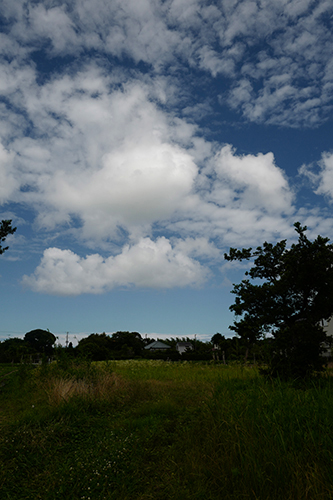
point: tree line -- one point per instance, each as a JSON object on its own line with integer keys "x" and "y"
{"x": 280, "y": 305}
{"x": 42, "y": 344}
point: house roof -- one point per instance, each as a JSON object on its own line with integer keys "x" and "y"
{"x": 157, "y": 345}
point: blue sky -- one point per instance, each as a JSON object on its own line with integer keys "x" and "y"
{"x": 140, "y": 139}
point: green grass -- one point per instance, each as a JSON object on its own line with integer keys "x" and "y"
{"x": 158, "y": 430}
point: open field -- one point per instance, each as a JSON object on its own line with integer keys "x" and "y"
{"x": 159, "y": 430}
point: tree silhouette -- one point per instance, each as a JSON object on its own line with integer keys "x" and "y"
{"x": 295, "y": 292}
{"x": 5, "y": 229}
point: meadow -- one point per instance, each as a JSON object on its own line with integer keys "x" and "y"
{"x": 149, "y": 429}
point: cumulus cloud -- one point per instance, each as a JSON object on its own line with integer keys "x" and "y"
{"x": 253, "y": 181}
{"x": 242, "y": 198}
{"x": 145, "y": 264}
{"x": 105, "y": 155}
{"x": 321, "y": 175}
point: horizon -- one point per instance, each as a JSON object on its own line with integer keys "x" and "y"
{"x": 76, "y": 337}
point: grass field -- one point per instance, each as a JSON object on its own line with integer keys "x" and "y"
{"x": 161, "y": 430}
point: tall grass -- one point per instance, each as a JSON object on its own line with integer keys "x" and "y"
{"x": 267, "y": 441}
{"x": 159, "y": 430}
{"x": 60, "y": 390}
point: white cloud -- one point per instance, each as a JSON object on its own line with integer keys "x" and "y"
{"x": 108, "y": 156}
{"x": 146, "y": 264}
{"x": 55, "y": 24}
{"x": 321, "y": 179}
{"x": 270, "y": 37}
{"x": 8, "y": 182}
{"x": 98, "y": 148}
{"x": 136, "y": 185}
{"x": 326, "y": 175}
{"x": 240, "y": 200}
{"x": 250, "y": 182}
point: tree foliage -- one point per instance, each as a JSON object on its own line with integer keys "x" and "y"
{"x": 128, "y": 341}
{"x": 97, "y": 347}
{"x": 40, "y": 341}
{"x": 294, "y": 293}
{"x": 13, "y": 350}
{"x": 100, "y": 346}
{"x": 5, "y": 229}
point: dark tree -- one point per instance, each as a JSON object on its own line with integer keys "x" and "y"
{"x": 128, "y": 340}
{"x": 13, "y": 350}
{"x": 223, "y": 347}
{"x": 294, "y": 294}
{"x": 40, "y": 341}
{"x": 217, "y": 339}
{"x": 5, "y": 229}
{"x": 100, "y": 346}
{"x": 97, "y": 347}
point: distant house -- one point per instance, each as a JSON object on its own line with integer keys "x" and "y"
{"x": 157, "y": 346}
{"x": 184, "y": 346}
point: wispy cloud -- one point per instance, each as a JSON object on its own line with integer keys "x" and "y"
{"x": 280, "y": 51}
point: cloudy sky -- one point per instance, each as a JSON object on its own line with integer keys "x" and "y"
{"x": 140, "y": 139}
